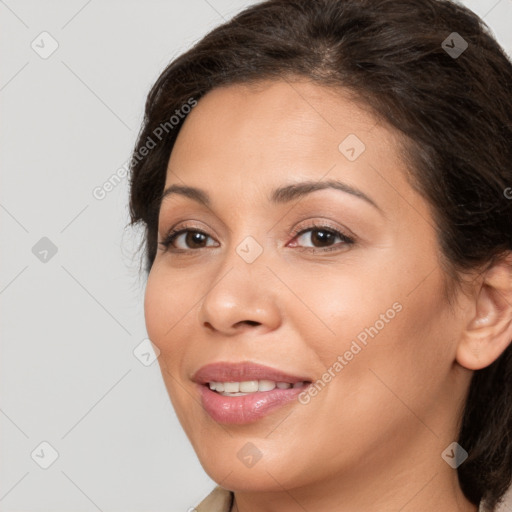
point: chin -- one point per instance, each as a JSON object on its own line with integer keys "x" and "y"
{"x": 270, "y": 473}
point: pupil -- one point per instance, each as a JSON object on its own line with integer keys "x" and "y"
{"x": 324, "y": 236}
{"x": 194, "y": 238}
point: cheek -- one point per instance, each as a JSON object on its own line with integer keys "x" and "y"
{"x": 343, "y": 306}
{"x": 165, "y": 311}
{"x": 374, "y": 322}
{"x": 392, "y": 353}
{"x": 153, "y": 309}
{"x": 164, "y": 305}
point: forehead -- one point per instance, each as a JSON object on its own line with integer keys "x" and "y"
{"x": 274, "y": 132}
{"x": 276, "y": 117}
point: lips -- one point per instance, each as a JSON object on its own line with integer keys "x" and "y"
{"x": 231, "y": 408}
{"x": 243, "y": 371}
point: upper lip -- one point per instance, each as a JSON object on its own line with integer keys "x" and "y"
{"x": 243, "y": 371}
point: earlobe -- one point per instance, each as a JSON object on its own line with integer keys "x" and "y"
{"x": 489, "y": 331}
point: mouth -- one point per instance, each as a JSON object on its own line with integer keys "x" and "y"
{"x": 239, "y": 393}
{"x": 245, "y": 376}
{"x": 247, "y": 387}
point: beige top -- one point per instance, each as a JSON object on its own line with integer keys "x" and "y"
{"x": 221, "y": 500}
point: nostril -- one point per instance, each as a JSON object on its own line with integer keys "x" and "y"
{"x": 251, "y": 322}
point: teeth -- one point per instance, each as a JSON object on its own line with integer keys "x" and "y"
{"x": 231, "y": 387}
{"x": 266, "y": 385}
{"x": 250, "y": 386}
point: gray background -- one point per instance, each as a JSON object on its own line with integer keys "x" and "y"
{"x": 71, "y": 320}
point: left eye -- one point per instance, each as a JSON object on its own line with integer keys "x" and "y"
{"x": 324, "y": 237}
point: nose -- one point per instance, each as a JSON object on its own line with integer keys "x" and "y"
{"x": 241, "y": 299}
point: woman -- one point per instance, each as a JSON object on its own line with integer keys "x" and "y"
{"x": 325, "y": 191}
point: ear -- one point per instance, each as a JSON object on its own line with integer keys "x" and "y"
{"x": 489, "y": 331}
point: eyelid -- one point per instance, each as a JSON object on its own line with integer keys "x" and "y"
{"x": 186, "y": 225}
{"x": 314, "y": 222}
{"x": 318, "y": 223}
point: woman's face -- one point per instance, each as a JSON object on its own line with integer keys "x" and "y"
{"x": 355, "y": 300}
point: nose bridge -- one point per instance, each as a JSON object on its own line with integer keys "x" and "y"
{"x": 241, "y": 291}
{"x": 248, "y": 251}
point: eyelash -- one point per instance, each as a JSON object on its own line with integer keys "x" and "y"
{"x": 173, "y": 234}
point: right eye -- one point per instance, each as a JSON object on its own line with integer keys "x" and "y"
{"x": 192, "y": 238}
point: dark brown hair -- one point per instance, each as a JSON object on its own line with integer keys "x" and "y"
{"x": 454, "y": 114}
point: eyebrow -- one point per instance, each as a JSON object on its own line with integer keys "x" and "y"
{"x": 280, "y": 195}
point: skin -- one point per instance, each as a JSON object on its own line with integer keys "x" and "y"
{"x": 372, "y": 439}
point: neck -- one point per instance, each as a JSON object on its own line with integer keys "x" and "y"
{"x": 408, "y": 485}
{"x": 291, "y": 501}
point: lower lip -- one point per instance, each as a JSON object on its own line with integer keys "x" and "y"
{"x": 239, "y": 410}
